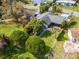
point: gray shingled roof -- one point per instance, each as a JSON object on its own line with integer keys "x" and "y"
{"x": 42, "y": 15}
{"x": 56, "y": 19}
{"x": 49, "y": 18}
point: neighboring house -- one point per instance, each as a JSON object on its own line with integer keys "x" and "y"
{"x": 72, "y": 45}
{"x": 49, "y": 19}
{"x": 66, "y": 2}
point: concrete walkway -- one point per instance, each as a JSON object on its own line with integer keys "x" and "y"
{"x": 74, "y": 13}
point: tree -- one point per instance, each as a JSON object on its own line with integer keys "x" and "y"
{"x": 10, "y": 10}
{"x": 0, "y": 13}
{"x": 36, "y": 46}
{"x": 18, "y": 38}
{"x": 50, "y": 3}
{"x": 26, "y": 55}
{"x": 34, "y": 27}
{"x": 54, "y": 1}
{"x": 0, "y": 9}
{"x": 17, "y": 10}
{"x": 65, "y": 25}
{"x": 17, "y": 43}
{"x": 0, "y": 2}
{"x": 77, "y": 1}
{"x": 26, "y": 1}
{"x": 44, "y": 7}
{"x": 56, "y": 9}
{"x": 68, "y": 24}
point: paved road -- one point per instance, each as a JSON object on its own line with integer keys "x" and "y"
{"x": 74, "y": 13}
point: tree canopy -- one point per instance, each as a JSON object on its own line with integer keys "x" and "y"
{"x": 26, "y": 55}
{"x": 26, "y": 1}
{"x": 34, "y": 27}
{"x": 44, "y": 7}
{"x": 18, "y": 37}
{"x": 36, "y": 46}
{"x": 56, "y": 9}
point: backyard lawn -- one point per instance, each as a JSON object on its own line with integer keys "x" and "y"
{"x": 7, "y": 29}
{"x": 75, "y": 22}
{"x": 58, "y": 50}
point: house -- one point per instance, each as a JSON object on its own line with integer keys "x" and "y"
{"x": 66, "y": 2}
{"x": 49, "y": 19}
{"x": 72, "y": 45}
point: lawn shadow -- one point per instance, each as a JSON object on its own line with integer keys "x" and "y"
{"x": 62, "y": 36}
{"x": 73, "y": 23}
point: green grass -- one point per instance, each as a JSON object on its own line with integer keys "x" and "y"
{"x": 7, "y": 29}
{"x": 31, "y": 9}
{"x": 75, "y": 22}
{"x": 58, "y": 50}
{"x": 73, "y": 8}
{"x": 50, "y": 41}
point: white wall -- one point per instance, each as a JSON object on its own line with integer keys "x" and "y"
{"x": 70, "y": 35}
